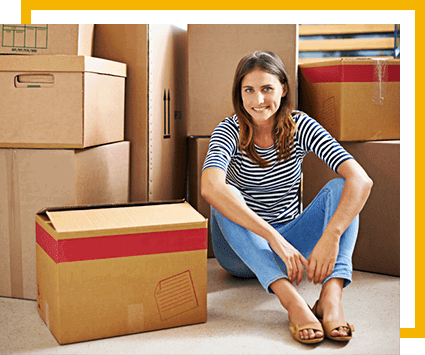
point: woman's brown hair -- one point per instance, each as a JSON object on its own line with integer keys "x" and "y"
{"x": 284, "y": 126}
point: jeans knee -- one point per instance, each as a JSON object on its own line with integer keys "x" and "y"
{"x": 336, "y": 185}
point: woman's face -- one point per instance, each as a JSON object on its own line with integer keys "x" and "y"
{"x": 261, "y": 95}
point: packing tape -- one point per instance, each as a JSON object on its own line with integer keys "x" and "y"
{"x": 15, "y": 242}
{"x": 380, "y": 79}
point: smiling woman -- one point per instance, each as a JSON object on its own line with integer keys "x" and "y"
{"x": 251, "y": 178}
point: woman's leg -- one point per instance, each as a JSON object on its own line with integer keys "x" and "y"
{"x": 306, "y": 230}
{"x": 245, "y": 254}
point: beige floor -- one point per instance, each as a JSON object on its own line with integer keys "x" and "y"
{"x": 242, "y": 319}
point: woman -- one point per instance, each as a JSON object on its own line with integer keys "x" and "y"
{"x": 251, "y": 177}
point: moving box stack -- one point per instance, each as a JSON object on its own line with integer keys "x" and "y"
{"x": 62, "y": 138}
{"x": 70, "y": 237}
{"x": 358, "y": 101}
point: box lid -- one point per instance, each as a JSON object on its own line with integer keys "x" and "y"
{"x": 61, "y": 63}
{"x": 112, "y": 217}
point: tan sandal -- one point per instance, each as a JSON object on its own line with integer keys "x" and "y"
{"x": 329, "y": 327}
{"x": 295, "y": 331}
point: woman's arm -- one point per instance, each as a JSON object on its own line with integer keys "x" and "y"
{"x": 221, "y": 196}
{"x": 354, "y": 195}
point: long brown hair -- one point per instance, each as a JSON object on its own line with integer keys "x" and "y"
{"x": 284, "y": 126}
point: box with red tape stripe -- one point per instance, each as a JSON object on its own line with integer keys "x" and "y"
{"x": 111, "y": 270}
{"x": 354, "y": 99}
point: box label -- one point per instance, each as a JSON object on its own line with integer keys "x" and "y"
{"x": 24, "y": 38}
{"x": 175, "y": 295}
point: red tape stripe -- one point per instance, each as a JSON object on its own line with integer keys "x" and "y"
{"x": 350, "y": 74}
{"x": 116, "y": 246}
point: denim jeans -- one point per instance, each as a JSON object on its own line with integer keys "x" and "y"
{"x": 245, "y": 254}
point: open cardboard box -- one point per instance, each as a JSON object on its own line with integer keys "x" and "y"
{"x": 105, "y": 271}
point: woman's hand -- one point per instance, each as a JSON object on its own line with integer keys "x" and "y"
{"x": 322, "y": 259}
{"x": 292, "y": 258}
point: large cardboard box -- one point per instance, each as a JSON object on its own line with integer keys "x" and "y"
{"x": 155, "y": 110}
{"x": 31, "y": 179}
{"x": 60, "y": 101}
{"x": 213, "y": 54}
{"x": 378, "y": 242}
{"x": 47, "y": 39}
{"x": 108, "y": 271}
{"x": 198, "y": 149}
{"x": 355, "y": 99}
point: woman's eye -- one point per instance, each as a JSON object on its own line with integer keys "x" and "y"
{"x": 249, "y": 90}
{"x": 267, "y": 89}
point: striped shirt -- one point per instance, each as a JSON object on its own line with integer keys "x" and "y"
{"x": 271, "y": 192}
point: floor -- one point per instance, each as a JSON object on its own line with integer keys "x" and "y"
{"x": 242, "y": 319}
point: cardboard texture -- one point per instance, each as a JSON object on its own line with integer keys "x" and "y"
{"x": 155, "y": 111}
{"x": 378, "y": 242}
{"x": 113, "y": 270}
{"x": 198, "y": 149}
{"x": 61, "y": 101}
{"x": 355, "y": 99}
{"x": 31, "y": 179}
{"x": 213, "y": 54}
{"x": 47, "y": 39}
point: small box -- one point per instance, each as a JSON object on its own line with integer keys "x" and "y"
{"x": 31, "y": 179}
{"x": 63, "y": 39}
{"x": 60, "y": 101}
{"x": 355, "y": 99}
{"x": 105, "y": 271}
{"x": 378, "y": 242}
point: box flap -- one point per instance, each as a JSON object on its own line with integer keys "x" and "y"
{"x": 350, "y": 61}
{"x": 61, "y": 63}
{"x": 77, "y": 220}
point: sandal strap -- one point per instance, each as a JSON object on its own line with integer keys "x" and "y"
{"x": 331, "y": 326}
{"x": 315, "y": 326}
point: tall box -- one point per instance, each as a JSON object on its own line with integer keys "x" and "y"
{"x": 355, "y": 99}
{"x": 155, "y": 110}
{"x": 213, "y": 54}
{"x": 47, "y": 39}
{"x": 198, "y": 149}
{"x": 31, "y": 179}
{"x": 109, "y": 271}
{"x": 378, "y": 242}
{"x": 60, "y": 101}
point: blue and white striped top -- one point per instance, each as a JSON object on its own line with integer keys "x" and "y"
{"x": 271, "y": 192}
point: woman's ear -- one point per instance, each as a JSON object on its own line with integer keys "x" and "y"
{"x": 284, "y": 90}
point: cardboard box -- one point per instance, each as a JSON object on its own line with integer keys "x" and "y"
{"x": 31, "y": 179}
{"x": 155, "y": 111}
{"x": 378, "y": 242}
{"x": 198, "y": 149}
{"x": 47, "y": 39}
{"x": 213, "y": 54}
{"x": 60, "y": 101}
{"x": 108, "y": 271}
{"x": 355, "y": 99}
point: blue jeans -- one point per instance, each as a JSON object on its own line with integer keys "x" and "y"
{"x": 245, "y": 254}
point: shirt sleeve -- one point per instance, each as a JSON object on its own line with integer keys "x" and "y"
{"x": 223, "y": 145}
{"x": 314, "y": 138}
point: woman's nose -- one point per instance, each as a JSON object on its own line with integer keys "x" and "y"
{"x": 260, "y": 98}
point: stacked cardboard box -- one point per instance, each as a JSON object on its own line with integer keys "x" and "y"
{"x": 62, "y": 143}
{"x": 358, "y": 101}
{"x": 213, "y": 54}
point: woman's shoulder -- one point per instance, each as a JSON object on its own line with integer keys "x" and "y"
{"x": 229, "y": 123}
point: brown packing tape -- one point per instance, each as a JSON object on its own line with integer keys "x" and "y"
{"x": 15, "y": 242}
